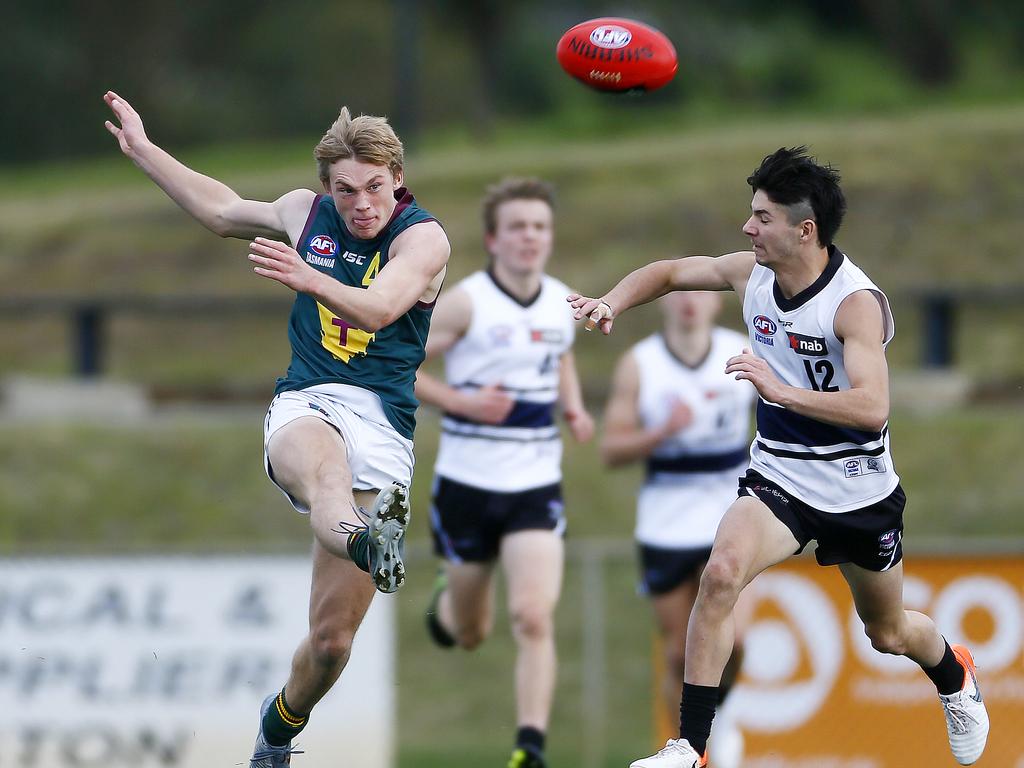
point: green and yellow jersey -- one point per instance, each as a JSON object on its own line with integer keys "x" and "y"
{"x": 326, "y": 349}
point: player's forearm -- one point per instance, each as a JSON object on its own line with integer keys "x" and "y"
{"x": 625, "y": 447}
{"x": 640, "y": 286}
{"x": 205, "y": 199}
{"x": 361, "y": 308}
{"x": 432, "y": 391}
{"x": 858, "y": 408}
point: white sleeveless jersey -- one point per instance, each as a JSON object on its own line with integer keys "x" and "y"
{"x": 692, "y": 476}
{"x": 518, "y": 346}
{"x": 831, "y": 468}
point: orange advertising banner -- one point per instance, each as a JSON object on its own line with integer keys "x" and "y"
{"x": 813, "y": 693}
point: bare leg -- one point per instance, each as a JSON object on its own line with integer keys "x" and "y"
{"x": 891, "y": 628}
{"x": 672, "y": 614}
{"x": 750, "y": 539}
{"x": 466, "y": 607}
{"x": 532, "y": 562}
{"x": 309, "y": 460}
{"x": 339, "y": 598}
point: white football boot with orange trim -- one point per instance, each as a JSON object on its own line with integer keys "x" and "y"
{"x": 966, "y": 716}
{"x": 677, "y": 753}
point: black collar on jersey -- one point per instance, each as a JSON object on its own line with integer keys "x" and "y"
{"x": 696, "y": 366}
{"x": 507, "y": 292}
{"x": 835, "y": 260}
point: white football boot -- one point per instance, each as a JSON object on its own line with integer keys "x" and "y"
{"x": 966, "y": 716}
{"x": 677, "y": 753}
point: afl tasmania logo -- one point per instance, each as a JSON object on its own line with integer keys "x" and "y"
{"x": 610, "y": 37}
{"x": 322, "y": 245}
{"x": 764, "y": 325}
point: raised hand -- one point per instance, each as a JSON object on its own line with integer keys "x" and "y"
{"x": 756, "y": 370}
{"x": 279, "y": 261}
{"x": 129, "y": 131}
{"x": 596, "y": 311}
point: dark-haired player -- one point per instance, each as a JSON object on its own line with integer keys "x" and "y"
{"x": 820, "y": 466}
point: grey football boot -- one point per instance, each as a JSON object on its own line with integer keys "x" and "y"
{"x": 388, "y": 521}
{"x": 266, "y": 755}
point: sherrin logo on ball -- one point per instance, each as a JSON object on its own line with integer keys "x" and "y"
{"x": 612, "y": 54}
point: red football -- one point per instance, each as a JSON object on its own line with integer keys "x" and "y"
{"x": 617, "y": 55}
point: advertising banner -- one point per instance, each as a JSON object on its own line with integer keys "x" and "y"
{"x": 164, "y": 662}
{"x": 813, "y": 693}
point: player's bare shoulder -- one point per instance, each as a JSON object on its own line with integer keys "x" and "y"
{"x": 292, "y": 209}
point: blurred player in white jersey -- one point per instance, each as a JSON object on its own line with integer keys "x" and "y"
{"x": 506, "y": 336}
{"x": 820, "y": 466}
{"x": 672, "y": 406}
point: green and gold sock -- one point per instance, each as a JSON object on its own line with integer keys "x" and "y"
{"x": 280, "y": 724}
{"x": 359, "y": 548}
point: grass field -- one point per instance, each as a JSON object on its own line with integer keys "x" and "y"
{"x": 935, "y": 198}
{"x": 189, "y": 483}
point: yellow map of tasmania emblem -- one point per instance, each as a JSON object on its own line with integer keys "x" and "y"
{"x": 339, "y": 338}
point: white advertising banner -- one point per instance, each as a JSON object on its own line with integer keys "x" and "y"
{"x": 164, "y": 662}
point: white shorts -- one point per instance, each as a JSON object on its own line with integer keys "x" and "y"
{"x": 377, "y": 454}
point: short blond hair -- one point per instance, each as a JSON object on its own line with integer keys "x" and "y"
{"x": 367, "y": 138}
{"x": 513, "y": 189}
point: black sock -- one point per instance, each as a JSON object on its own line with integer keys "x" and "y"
{"x": 696, "y": 711}
{"x": 438, "y": 633}
{"x": 948, "y": 674}
{"x": 280, "y": 724}
{"x": 530, "y": 739}
{"x": 358, "y": 547}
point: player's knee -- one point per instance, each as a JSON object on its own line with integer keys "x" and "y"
{"x": 532, "y": 622}
{"x": 886, "y": 638}
{"x": 331, "y": 646}
{"x": 721, "y": 581}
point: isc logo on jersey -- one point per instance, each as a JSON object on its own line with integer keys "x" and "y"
{"x": 812, "y": 346}
{"x": 764, "y": 329}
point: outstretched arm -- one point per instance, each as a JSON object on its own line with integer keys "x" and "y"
{"x": 215, "y": 205}
{"x": 692, "y": 273}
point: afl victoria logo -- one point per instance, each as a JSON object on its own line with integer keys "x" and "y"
{"x": 323, "y": 245}
{"x": 764, "y": 325}
{"x": 610, "y": 37}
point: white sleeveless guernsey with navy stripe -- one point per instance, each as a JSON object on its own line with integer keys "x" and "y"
{"x": 831, "y": 468}
{"x": 519, "y": 347}
{"x": 691, "y": 476}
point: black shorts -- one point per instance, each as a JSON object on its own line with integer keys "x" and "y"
{"x": 468, "y": 523}
{"x": 662, "y": 570}
{"x": 870, "y": 537}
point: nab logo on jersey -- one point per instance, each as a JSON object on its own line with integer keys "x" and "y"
{"x": 322, "y": 245}
{"x": 811, "y": 346}
{"x": 764, "y": 329}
